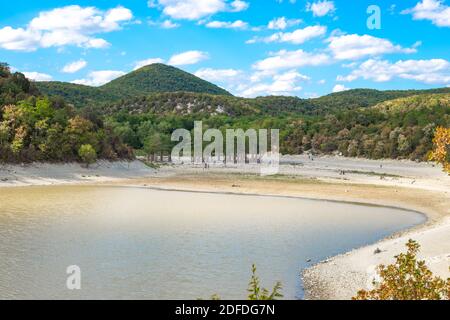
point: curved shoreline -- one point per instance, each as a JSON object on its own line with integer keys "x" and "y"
{"x": 338, "y": 277}
{"x": 330, "y": 278}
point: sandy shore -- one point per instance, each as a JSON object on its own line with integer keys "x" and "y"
{"x": 415, "y": 186}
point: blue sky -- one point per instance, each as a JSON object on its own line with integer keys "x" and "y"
{"x": 252, "y": 48}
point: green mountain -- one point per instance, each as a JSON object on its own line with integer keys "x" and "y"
{"x": 144, "y": 81}
{"x": 361, "y": 122}
{"x": 185, "y": 103}
{"x": 161, "y": 78}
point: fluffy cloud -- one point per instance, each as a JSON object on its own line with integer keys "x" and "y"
{"x": 354, "y": 46}
{"x": 298, "y": 36}
{"x": 146, "y": 62}
{"x": 74, "y": 66}
{"x": 433, "y": 71}
{"x": 71, "y": 25}
{"x": 321, "y": 8}
{"x": 37, "y": 76}
{"x": 339, "y": 88}
{"x": 238, "y": 5}
{"x": 196, "y": 9}
{"x": 166, "y": 24}
{"x": 98, "y": 78}
{"x": 286, "y": 83}
{"x": 283, "y": 23}
{"x": 291, "y": 59}
{"x": 218, "y": 75}
{"x": 238, "y": 24}
{"x": 434, "y": 10}
{"x": 188, "y": 57}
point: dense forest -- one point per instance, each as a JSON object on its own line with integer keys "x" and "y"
{"x": 142, "y": 109}
{"x": 401, "y": 128}
{"x": 39, "y": 128}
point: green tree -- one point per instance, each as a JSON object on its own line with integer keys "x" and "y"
{"x": 407, "y": 279}
{"x": 87, "y": 154}
{"x": 152, "y": 145}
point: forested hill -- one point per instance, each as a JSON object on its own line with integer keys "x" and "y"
{"x": 142, "y": 82}
{"x": 39, "y": 128}
{"x": 161, "y": 78}
{"x": 184, "y": 103}
{"x": 361, "y": 122}
{"x": 356, "y": 98}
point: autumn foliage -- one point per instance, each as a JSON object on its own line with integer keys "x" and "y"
{"x": 407, "y": 279}
{"x": 441, "y": 152}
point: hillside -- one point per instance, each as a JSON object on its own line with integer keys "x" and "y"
{"x": 142, "y": 82}
{"x": 161, "y": 86}
{"x": 161, "y": 78}
{"x": 361, "y": 122}
{"x": 38, "y": 128}
{"x": 414, "y": 103}
{"x": 14, "y": 86}
{"x": 183, "y": 103}
{"x": 356, "y": 98}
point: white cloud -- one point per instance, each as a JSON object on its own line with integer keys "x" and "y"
{"x": 434, "y": 10}
{"x": 168, "y": 24}
{"x": 19, "y": 39}
{"x": 354, "y": 46}
{"x": 298, "y": 36}
{"x": 433, "y": 71}
{"x": 291, "y": 59}
{"x": 238, "y": 5}
{"x": 339, "y": 88}
{"x": 146, "y": 62}
{"x": 37, "y": 76}
{"x": 321, "y": 8}
{"x": 283, "y": 23}
{"x": 70, "y": 25}
{"x": 188, "y": 57}
{"x": 286, "y": 83}
{"x": 74, "y": 66}
{"x": 98, "y": 78}
{"x": 196, "y": 9}
{"x": 238, "y": 24}
{"x": 219, "y": 75}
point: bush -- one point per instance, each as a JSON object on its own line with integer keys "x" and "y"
{"x": 256, "y": 292}
{"x": 87, "y": 154}
{"x": 407, "y": 279}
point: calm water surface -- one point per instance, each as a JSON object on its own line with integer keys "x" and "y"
{"x": 133, "y": 243}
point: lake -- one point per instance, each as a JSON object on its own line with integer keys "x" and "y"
{"x": 137, "y": 243}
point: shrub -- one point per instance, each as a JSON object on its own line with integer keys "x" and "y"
{"x": 256, "y": 292}
{"x": 407, "y": 279}
{"x": 87, "y": 154}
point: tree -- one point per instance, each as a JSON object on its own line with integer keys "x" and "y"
{"x": 87, "y": 154}
{"x": 407, "y": 279}
{"x": 152, "y": 145}
{"x": 441, "y": 152}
